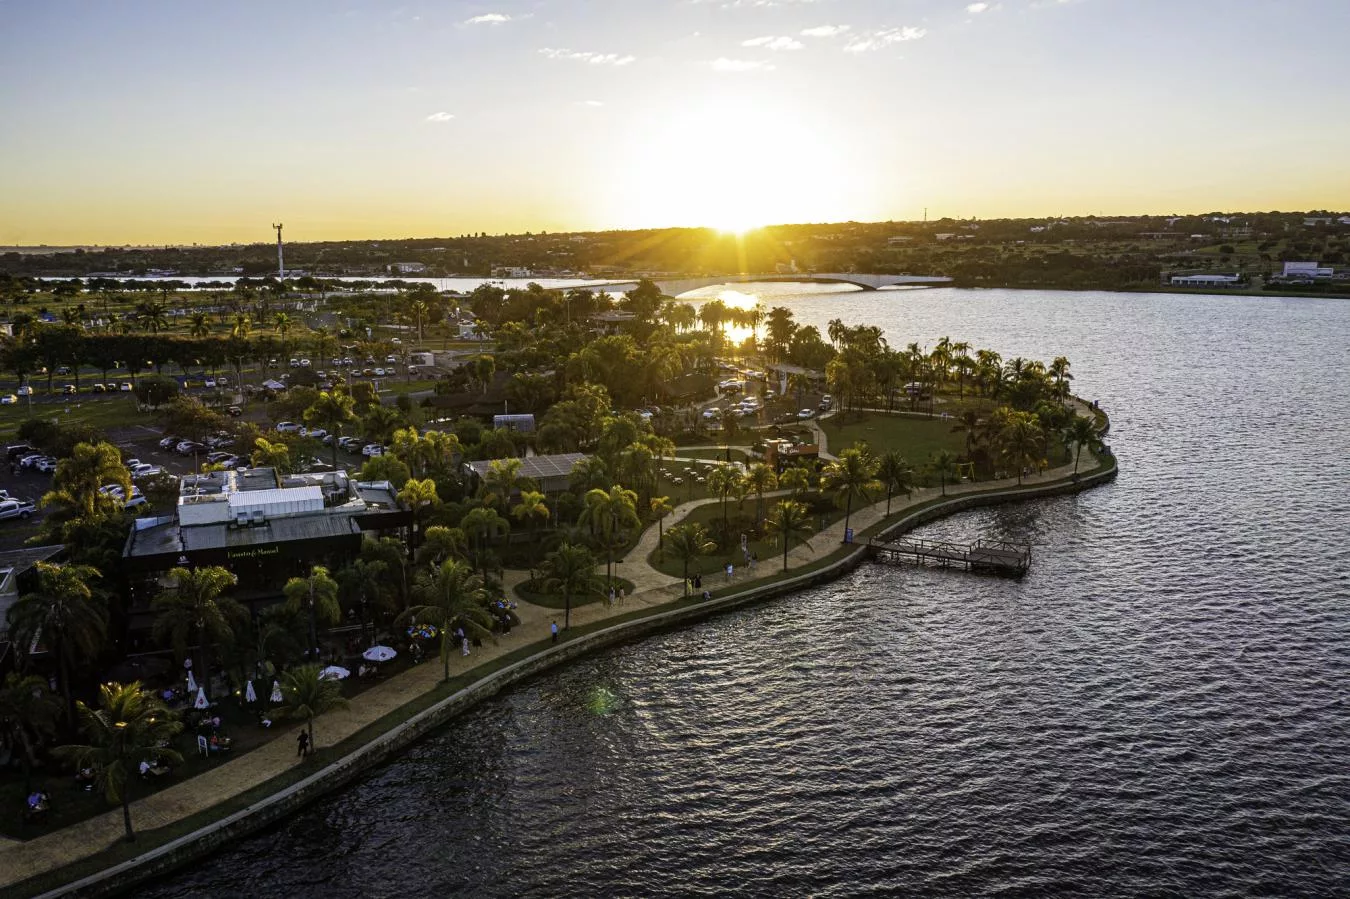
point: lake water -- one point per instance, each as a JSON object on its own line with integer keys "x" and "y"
{"x": 1161, "y": 707}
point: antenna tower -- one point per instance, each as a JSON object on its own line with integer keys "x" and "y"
{"x": 281, "y": 263}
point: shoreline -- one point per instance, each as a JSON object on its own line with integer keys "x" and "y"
{"x": 274, "y": 799}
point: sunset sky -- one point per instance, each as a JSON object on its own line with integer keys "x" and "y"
{"x": 180, "y": 122}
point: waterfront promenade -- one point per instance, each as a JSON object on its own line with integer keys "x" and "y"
{"x": 652, "y": 590}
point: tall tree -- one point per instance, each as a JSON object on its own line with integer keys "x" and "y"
{"x": 450, "y": 596}
{"x": 688, "y": 542}
{"x": 305, "y": 696}
{"x": 316, "y": 595}
{"x": 942, "y": 463}
{"x": 331, "y": 411}
{"x": 791, "y": 521}
{"x": 420, "y": 497}
{"x": 530, "y": 511}
{"x": 80, "y": 478}
{"x": 481, "y": 524}
{"x": 1081, "y": 432}
{"x": 196, "y": 607}
{"x": 850, "y": 477}
{"x": 66, "y": 615}
{"x": 610, "y": 514}
{"x": 570, "y": 570}
{"x": 894, "y": 472}
{"x": 760, "y": 479}
{"x": 130, "y": 725}
{"x": 28, "y": 714}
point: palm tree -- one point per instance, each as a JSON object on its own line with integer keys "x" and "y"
{"x": 420, "y": 312}
{"x": 731, "y": 427}
{"x": 724, "y": 480}
{"x": 531, "y": 509}
{"x": 267, "y": 454}
{"x": 420, "y": 497}
{"x": 1022, "y": 438}
{"x": 942, "y": 462}
{"x": 760, "y": 479}
{"x": 440, "y": 543}
{"x": 661, "y": 507}
{"x": 152, "y": 316}
{"x": 570, "y": 570}
{"x": 199, "y": 324}
{"x": 331, "y": 410}
{"x": 80, "y": 478}
{"x": 610, "y": 513}
{"x": 502, "y": 479}
{"x": 894, "y": 472}
{"x": 791, "y": 521}
{"x": 283, "y": 325}
{"x": 482, "y": 524}
{"x": 1081, "y": 432}
{"x": 380, "y": 423}
{"x": 28, "y": 714}
{"x": 852, "y": 476}
{"x": 316, "y": 594}
{"x": 451, "y": 596}
{"x": 796, "y": 479}
{"x": 130, "y": 726}
{"x": 688, "y": 542}
{"x": 242, "y": 327}
{"x": 195, "y": 607}
{"x": 65, "y": 614}
{"x": 306, "y": 696}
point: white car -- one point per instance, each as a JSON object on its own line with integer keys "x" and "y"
{"x": 144, "y": 470}
{"x": 288, "y": 427}
{"x": 295, "y": 363}
{"x": 8, "y": 399}
{"x": 372, "y": 450}
{"x": 210, "y": 383}
{"x": 45, "y": 464}
{"x": 391, "y": 359}
{"x": 25, "y": 390}
{"x": 315, "y": 433}
{"x": 805, "y": 414}
{"x": 126, "y": 387}
{"x": 304, "y": 363}
{"x": 16, "y": 508}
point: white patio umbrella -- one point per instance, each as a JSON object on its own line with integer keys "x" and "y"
{"x": 276, "y": 692}
{"x": 335, "y": 672}
{"x": 378, "y": 654}
{"x": 201, "y": 702}
{"x": 192, "y": 683}
{"x": 250, "y": 695}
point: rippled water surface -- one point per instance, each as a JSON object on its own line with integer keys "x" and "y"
{"x": 1159, "y": 707}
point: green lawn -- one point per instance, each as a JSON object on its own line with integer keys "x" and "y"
{"x": 719, "y": 455}
{"x": 555, "y": 600}
{"x": 916, "y": 438}
{"x": 107, "y": 412}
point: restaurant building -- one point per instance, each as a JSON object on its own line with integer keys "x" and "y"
{"x": 262, "y": 527}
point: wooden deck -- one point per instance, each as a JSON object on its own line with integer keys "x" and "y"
{"x": 985, "y": 556}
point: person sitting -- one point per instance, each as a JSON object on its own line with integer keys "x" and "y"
{"x": 152, "y": 769}
{"x": 85, "y": 778}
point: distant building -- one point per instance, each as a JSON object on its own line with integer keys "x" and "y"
{"x": 1307, "y": 270}
{"x": 552, "y": 473}
{"x": 524, "y": 423}
{"x": 512, "y": 271}
{"x": 1206, "y": 281}
{"x": 15, "y": 565}
{"x": 408, "y": 268}
{"x": 897, "y": 241}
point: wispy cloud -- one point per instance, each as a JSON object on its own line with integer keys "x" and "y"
{"x": 976, "y": 8}
{"x": 492, "y": 18}
{"x": 595, "y": 59}
{"x": 824, "y": 31}
{"x": 738, "y": 4}
{"x": 877, "y": 40}
{"x": 722, "y": 64}
{"x": 439, "y": 117}
{"x": 589, "y": 103}
{"x": 774, "y": 43}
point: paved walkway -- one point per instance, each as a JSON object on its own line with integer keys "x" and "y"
{"x": 19, "y": 861}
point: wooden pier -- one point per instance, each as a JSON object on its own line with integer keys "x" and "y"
{"x": 984, "y": 556}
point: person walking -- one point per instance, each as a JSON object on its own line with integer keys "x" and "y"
{"x": 555, "y": 632}
{"x": 302, "y": 744}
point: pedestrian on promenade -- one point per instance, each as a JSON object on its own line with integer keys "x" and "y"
{"x": 302, "y": 744}
{"x": 731, "y": 572}
{"x": 698, "y": 581}
{"x": 555, "y": 632}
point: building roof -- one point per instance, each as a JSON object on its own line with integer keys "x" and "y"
{"x": 317, "y": 526}
{"x": 536, "y": 467}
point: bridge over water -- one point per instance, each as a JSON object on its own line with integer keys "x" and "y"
{"x": 673, "y": 287}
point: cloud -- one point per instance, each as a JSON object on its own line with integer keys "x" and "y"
{"x": 492, "y": 18}
{"x": 824, "y": 31}
{"x": 439, "y": 117}
{"x": 595, "y": 59}
{"x": 876, "y": 40}
{"x": 774, "y": 43}
{"x": 589, "y": 103}
{"x": 722, "y": 64}
{"x": 976, "y": 8}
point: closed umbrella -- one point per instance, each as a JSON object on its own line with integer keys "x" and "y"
{"x": 334, "y": 672}
{"x": 250, "y": 695}
{"x": 276, "y": 691}
{"x": 378, "y": 654}
{"x": 201, "y": 701}
{"x": 192, "y": 683}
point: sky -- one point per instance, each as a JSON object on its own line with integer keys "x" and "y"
{"x": 151, "y": 122}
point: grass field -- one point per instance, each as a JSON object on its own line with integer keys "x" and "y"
{"x": 916, "y": 438}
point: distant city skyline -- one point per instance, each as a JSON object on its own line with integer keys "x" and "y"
{"x": 163, "y": 123}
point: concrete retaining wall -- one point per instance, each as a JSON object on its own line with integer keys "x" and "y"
{"x": 277, "y": 806}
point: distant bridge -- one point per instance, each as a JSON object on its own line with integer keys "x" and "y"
{"x": 674, "y": 287}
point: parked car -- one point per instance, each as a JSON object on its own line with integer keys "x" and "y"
{"x": 16, "y": 451}
{"x": 379, "y": 373}
{"x": 288, "y": 427}
{"x": 26, "y": 390}
{"x": 8, "y": 399}
{"x": 390, "y": 359}
{"x": 126, "y": 387}
{"x": 68, "y": 389}
{"x": 16, "y": 508}
{"x": 144, "y": 470}
{"x": 351, "y": 444}
{"x": 188, "y": 447}
{"x": 295, "y": 363}
{"x": 216, "y": 441}
{"x": 30, "y": 460}
{"x": 315, "y": 433}
{"x": 233, "y": 411}
{"x": 371, "y": 450}
{"x": 170, "y": 441}
{"x": 98, "y": 388}
{"x": 209, "y": 383}
{"x": 304, "y": 363}
{"x": 222, "y": 381}
{"x": 46, "y": 465}
{"x": 805, "y": 414}
{"x": 218, "y": 458}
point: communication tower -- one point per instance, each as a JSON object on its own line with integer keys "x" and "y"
{"x": 281, "y": 264}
